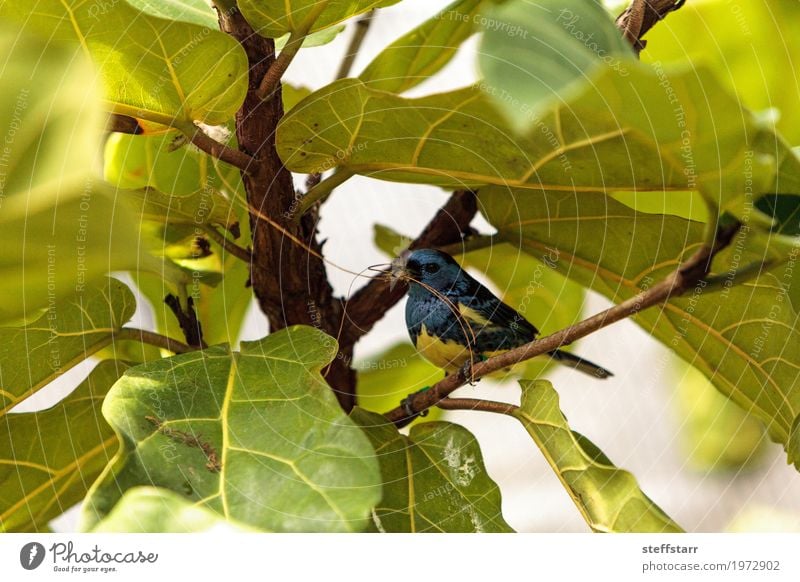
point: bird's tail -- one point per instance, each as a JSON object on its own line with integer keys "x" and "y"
{"x": 580, "y": 364}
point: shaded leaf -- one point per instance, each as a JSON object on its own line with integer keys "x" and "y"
{"x": 541, "y": 53}
{"x": 199, "y": 209}
{"x": 274, "y": 18}
{"x": 68, "y": 333}
{"x": 168, "y": 72}
{"x": 434, "y": 479}
{"x": 742, "y": 335}
{"x": 256, "y": 436}
{"x": 60, "y": 229}
{"x": 425, "y": 50}
{"x": 618, "y": 133}
{"x": 156, "y": 510}
{"x": 48, "y": 459}
{"x": 609, "y": 498}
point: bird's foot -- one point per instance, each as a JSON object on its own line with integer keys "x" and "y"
{"x": 465, "y": 373}
{"x": 407, "y": 404}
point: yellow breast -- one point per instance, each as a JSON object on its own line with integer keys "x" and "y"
{"x": 448, "y": 355}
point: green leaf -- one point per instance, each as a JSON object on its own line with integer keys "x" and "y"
{"x": 716, "y": 434}
{"x": 168, "y": 72}
{"x": 48, "y": 459}
{"x": 193, "y": 11}
{"x": 156, "y": 510}
{"x": 749, "y": 45}
{"x": 609, "y": 498}
{"x": 425, "y": 50}
{"x": 274, "y": 18}
{"x": 618, "y": 133}
{"x": 60, "y": 230}
{"x": 68, "y": 333}
{"x": 256, "y": 436}
{"x": 743, "y": 337}
{"x": 140, "y": 161}
{"x": 534, "y": 55}
{"x": 200, "y": 209}
{"x": 434, "y": 479}
{"x": 388, "y": 377}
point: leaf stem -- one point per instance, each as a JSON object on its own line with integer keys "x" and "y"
{"x": 152, "y": 338}
{"x": 215, "y": 149}
{"x": 684, "y": 278}
{"x": 477, "y": 404}
{"x": 322, "y": 190}
{"x": 272, "y": 78}
{"x": 362, "y": 26}
{"x": 228, "y": 245}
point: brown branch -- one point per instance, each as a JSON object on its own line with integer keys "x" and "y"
{"x": 362, "y": 26}
{"x": 218, "y": 150}
{"x": 190, "y": 325}
{"x": 228, "y": 245}
{"x": 289, "y": 282}
{"x": 477, "y": 404}
{"x": 152, "y": 338}
{"x": 684, "y": 278}
{"x": 367, "y": 305}
{"x": 641, "y": 16}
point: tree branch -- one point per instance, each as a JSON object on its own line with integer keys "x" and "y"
{"x": 359, "y": 34}
{"x": 152, "y": 338}
{"x": 187, "y": 319}
{"x": 477, "y": 404}
{"x": 641, "y": 16}
{"x": 289, "y": 281}
{"x": 228, "y": 245}
{"x": 368, "y": 305}
{"x": 684, "y": 278}
{"x": 216, "y": 149}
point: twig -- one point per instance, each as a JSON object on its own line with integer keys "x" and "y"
{"x": 228, "y": 245}
{"x": 641, "y": 16}
{"x": 152, "y": 338}
{"x": 212, "y": 147}
{"x": 362, "y": 28}
{"x": 271, "y": 80}
{"x": 123, "y": 124}
{"x": 477, "y": 404}
{"x": 321, "y": 190}
{"x": 188, "y": 321}
{"x": 685, "y": 277}
{"x": 367, "y": 305}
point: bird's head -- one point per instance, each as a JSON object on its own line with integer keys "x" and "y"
{"x": 430, "y": 268}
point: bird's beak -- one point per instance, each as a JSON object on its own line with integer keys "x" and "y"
{"x": 399, "y": 270}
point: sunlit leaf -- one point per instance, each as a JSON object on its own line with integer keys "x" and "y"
{"x": 274, "y": 18}
{"x": 434, "y": 479}
{"x": 48, "y": 459}
{"x": 156, "y": 510}
{"x": 60, "y": 228}
{"x": 168, "y": 72}
{"x": 534, "y": 54}
{"x": 609, "y": 498}
{"x": 194, "y": 11}
{"x": 425, "y": 50}
{"x": 743, "y": 335}
{"x": 618, "y": 133}
{"x": 66, "y": 334}
{"x": 256, "y": 436}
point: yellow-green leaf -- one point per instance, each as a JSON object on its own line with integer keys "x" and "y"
{"x": 48, "y": 459}
{"x": 434, "y": 479}
{"x": 66, "y": 334}
{"x": 256, "y": 436}
{"x": 168, "y": 72}
{"x": 274, "y": 18}
{"x": 743, "y": 335}
{"x": 609, "y": 498}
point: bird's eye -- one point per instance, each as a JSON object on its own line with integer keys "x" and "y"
{"x": 431, "y": 268}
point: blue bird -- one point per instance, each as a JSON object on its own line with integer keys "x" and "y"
{"x": 453, "y": 319}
